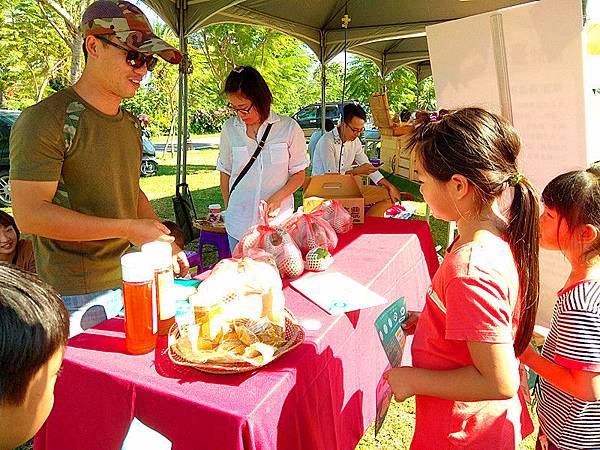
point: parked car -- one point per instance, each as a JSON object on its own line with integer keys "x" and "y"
{"x": 309, "y": 119}
{"x": 149, "y": 165}
{"x": 7, "y": 118}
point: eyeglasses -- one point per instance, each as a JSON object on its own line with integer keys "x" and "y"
{"x": 355, "y": 130}
{"x": 242, "y": 110}
{"x": 134, "y": 58}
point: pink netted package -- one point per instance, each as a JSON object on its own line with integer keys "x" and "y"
{"x": 337, "y": 216}
{"x": 273, "y": 240}
{"x": 310, "y": 231}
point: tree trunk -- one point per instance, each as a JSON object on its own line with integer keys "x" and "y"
{"x": 77, "y": 56}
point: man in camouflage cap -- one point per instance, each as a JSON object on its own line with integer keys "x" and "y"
{"x": 75, "y": 167}
{"x": 129, "y": 24}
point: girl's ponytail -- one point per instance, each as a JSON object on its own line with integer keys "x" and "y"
{"x": 523, "y": 236}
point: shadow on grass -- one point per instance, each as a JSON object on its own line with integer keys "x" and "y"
{"x": 169, "y": 170}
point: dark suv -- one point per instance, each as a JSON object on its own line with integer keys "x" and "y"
{"x": 7, "y": 118}
{"x": 309, "y": 118}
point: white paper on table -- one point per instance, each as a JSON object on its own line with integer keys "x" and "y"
{"x": 142, "y": 436}
{"x": 336, "y": 293}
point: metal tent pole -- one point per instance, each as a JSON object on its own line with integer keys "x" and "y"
{"x": 181, "y": 95}
{"x": 323, "y": 81}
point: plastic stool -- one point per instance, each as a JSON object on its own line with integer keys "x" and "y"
{"x": 193, "y": 258}
{"x": 216, "y": 238}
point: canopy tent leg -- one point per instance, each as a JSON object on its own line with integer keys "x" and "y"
{"x": 323, "y": 81}
{"x": 185, "y": 68}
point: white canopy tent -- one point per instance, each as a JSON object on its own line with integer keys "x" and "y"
{"x": 390, "y": 32}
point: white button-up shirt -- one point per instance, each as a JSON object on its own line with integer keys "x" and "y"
{"x": 283, "y": 155}
{"x": 327, "y": 155}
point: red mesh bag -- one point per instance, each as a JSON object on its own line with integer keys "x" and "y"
{"x": 310, "y": 231}
{"x": 273, "y": 240}
{"x": 337, "y": 216}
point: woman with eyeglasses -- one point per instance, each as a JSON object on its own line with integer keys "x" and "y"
{"x": 247, "y": 177}
{"x": 13, "y": 249}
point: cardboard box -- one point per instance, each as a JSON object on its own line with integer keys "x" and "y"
{"x": 342, "y": 188}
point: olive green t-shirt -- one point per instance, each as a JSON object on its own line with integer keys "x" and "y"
{"x": 98, "y": 176}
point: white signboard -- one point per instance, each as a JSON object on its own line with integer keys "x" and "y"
{"x": 526, "y": 63}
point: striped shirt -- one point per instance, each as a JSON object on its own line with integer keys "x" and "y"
{"x": 573, "y": 342}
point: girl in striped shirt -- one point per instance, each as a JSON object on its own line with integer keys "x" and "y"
{"x": 569, "y": 366}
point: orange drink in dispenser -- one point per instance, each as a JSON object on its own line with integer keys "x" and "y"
{"x": 140, "y": 304}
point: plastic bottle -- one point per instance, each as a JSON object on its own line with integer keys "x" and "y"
{"x": 140, "y": 304}
{"x": 160, "y": 256}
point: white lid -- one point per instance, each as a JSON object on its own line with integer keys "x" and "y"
{"x": 159, "y": 253}
{"x": 136, "y": 267}
{"x": 214, "y": 206}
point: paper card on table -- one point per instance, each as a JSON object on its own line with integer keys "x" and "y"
{"x": 140, "y": 435}
{"x": 336, "y": 293}
{"x": 383, "y": 398}
{"x": 390, "y": 331}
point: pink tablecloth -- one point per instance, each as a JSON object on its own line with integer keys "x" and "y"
{"x": 319, "y": 396}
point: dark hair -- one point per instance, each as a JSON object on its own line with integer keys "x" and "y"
{"x": 352, "y": 110}
{"x": 6, "y": 220}
{"x": 329, "y": 125}
{"x": 34, "y": 324}
{"x": 176, "y": 232}
{"x": 85, "y": 52}
{"x": 483, "y": 147}
{"x": 246, "y": 80}
{"x": 575, "y": 196}
{"x": 405, "y": 115}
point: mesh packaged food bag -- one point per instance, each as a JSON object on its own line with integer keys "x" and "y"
{"x": 310, "y": 231}
{"x": 239, "y": 288}
{"x": 337, "y": 216}
{"x": 275, "y": 241}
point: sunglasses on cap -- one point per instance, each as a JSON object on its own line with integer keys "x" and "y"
{"x": 134, "y": 58}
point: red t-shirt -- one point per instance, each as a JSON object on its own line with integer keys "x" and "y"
{"x": 478, "y": 286}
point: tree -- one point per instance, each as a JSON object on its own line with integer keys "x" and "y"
{"x": 282, "y": 60}
{"x": 65, "y": 18}
{"x": 32, "y": 57}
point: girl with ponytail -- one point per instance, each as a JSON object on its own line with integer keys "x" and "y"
{"x": 481, "y": 307}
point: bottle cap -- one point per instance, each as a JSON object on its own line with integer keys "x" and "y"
{"x": 159, "y": 254}
{"x": 136, "y": 267}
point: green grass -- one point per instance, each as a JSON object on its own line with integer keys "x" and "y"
{"x": 203, "y": 180}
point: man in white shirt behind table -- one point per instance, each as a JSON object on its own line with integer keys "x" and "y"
{"x": 327, "y": 155}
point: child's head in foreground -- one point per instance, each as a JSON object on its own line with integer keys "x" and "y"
{"x": 571, "y": 218}
{"x": 34, "y": 327}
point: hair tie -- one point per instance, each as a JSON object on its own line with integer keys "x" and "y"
{"x": 238, "y": 69}
{"x": 516, "y": 179}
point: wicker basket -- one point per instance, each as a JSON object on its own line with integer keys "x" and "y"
{"x": 206, "y": 225}
{"x": 294, "y": 335}
{"x": 380, "y": 111}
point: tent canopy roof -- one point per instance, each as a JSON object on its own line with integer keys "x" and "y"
{"x": 390, "y": 32}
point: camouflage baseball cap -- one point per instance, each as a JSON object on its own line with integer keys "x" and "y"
{"x": 129, "y": 24}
